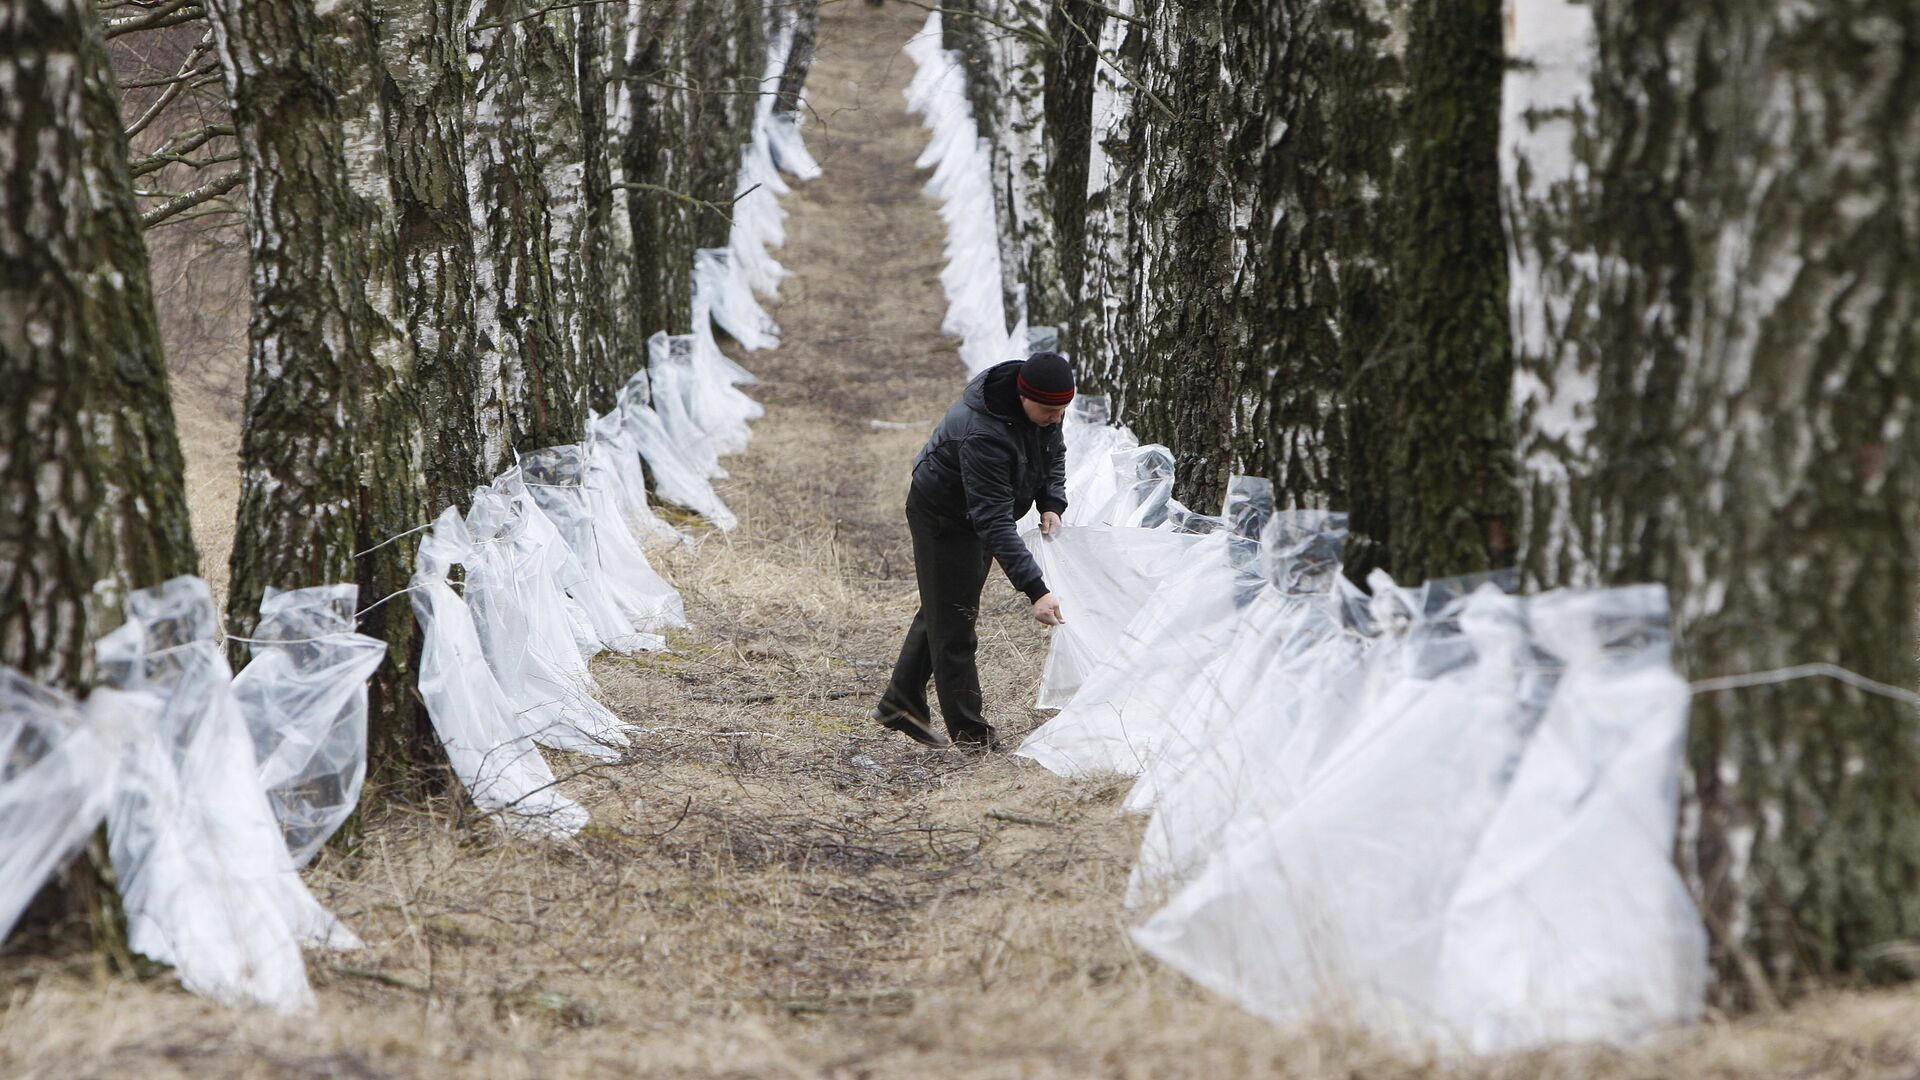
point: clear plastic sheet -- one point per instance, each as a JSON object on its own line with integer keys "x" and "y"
{"x": 623, "y": 597}
{"x": 1102, "y": 577}
{"x": 205, "y": 877}
{"x": 525, "y": 632}
{"x": 1143, "y": 488}
{"x": 1150, "y": 679}
{"x": 789, "y": 148}
{"x": 723, "y": 290}
{"x": 304, "y": 696}
{"x": 963, "y": 182}
{"x": 1476, "y": 850}
{"x": 613, "y": 463}
{"x": 705, "y": 416}
{"x": 488, "y": 745}
{"x": 677, "y": 478}
{"x": 59, "y": 769}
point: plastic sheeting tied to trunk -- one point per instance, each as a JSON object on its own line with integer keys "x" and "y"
{"x": 204, "y": 873}
{"x": 304, "y": 696}
{"x": 59, "y": 768}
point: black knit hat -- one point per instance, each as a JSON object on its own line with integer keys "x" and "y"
{"x": 1047, "y": 379}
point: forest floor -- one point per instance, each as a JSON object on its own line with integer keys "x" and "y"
{"x": 773, "y": 886}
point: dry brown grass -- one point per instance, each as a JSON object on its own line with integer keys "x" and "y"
{"x": 772, "y": 887}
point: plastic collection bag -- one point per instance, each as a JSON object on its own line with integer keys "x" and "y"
{"x": 677, "y": 478}
{"x": 1147, "y": 682}
{"x": 616, "y": 586}
{"x": 1103, "y": 576}
{"x": 304, "y": 696}
{"x": 59, "y": 769}
{"x": 489, "y": 746}
{"x": 205, "y": 877}
{"x": 962, "y": 180}
{"x": 519, "y": 606}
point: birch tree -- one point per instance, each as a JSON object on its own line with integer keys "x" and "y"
{"x": 330, "y": 451}
{"x": 429, "y": 97}
{"x": 1717, "y": 391}
{"x": 522, "y": 404}
{"x": 656, "y": 165}
{"x": 92, "y": 496}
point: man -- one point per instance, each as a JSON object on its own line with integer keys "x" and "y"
{"x": 997, "y": 453}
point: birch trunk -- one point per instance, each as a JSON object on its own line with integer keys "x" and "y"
{"x": 655, "y": 166}
{"x": 1742, "y": 426}
{"x": 1022, "y": 163}
{"x": 1100, "y": 332}
{"x": 1068, "y": 84}
{"x": 92, "y": 497}
{"x": 428, "y": 98}
{"x": 331, "y": 451}
{"x": 549, "y": 54}
{"x": 522, "y": 405}
{"x": 1449, "y": 493}
{"x": 1334, "y": 88}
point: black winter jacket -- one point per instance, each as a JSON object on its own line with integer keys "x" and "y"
{"x": 987, "y": 464}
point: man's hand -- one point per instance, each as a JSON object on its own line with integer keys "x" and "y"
{"x": 1049, "y": 524}
{"x": 1047, "y": 609}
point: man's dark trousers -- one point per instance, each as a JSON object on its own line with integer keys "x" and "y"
{"x": 951, "y": 564}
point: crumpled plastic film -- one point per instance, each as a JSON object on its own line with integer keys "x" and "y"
{"x": 1149, "y": 680}
{"x": 1102, "y": 577}
{"x": 487, "y": 744}
{"x": 525, "y": 632}
{"x": 721, "y": 289}
{"x": 705, "y": 415}
{"x": 677, "y": 479}
{"x": 613, "y": 463}
{"x": 1290, "y": 655}
{"x": 1475, "y": 851}
{"x": 205, "y": 877}
{"x": 304, "y": 697}
{"x": 1578, "y": 854}
{"x": 789, "y": 148}
{"x": 617, "y": 587}
{"x": 963, "y": 180}
{"x": 59, "y": 769}
{"x": 1143, "y": 487}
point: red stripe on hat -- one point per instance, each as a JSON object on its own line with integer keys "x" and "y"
{"x": 1044, "y": 397}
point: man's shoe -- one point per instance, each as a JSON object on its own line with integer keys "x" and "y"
{"x": 917, "y": 730}
{"x": 981, "y": 738}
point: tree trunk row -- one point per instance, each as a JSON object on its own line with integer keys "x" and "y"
{"x": 1645, "y": 312}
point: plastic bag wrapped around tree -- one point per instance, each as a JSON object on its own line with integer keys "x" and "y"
{"x": 1143, "y": 488}
{"x": 520, "y": 614}
{"x": 705, "y": 415}
{"x": 677, "y": 478}
{"x": 1090, "y": 443}
{"x": 613, "y": 464}
{"x": 722, "y": 290}
{"x": 304, "y": 697}
{"x": 789, "y": 147}
{"x": 205, "y": 877}
{"x": 1478, "y": 853}
{"x": 1148, "y": 682}
{"x": 1102, "y": 576}
{"x": 615, "y": 585}
{"x": 1578, "y": 854}
{"x": 759, "y": 221}
{"x": 1291, "y": 656}
{"x": 59, "y": 769}
{"x": 487, "y": 744}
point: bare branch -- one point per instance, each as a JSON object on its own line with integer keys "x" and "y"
{"x": 169, "y": 13}
{"x": 545, "y": 10}
{"x": 705, "y": 204}
{"x": 1038, "y": 37}
{"x": 170, "y": 93}
{"x": 189, "y": 200}
{"x": 174, "y": 150}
